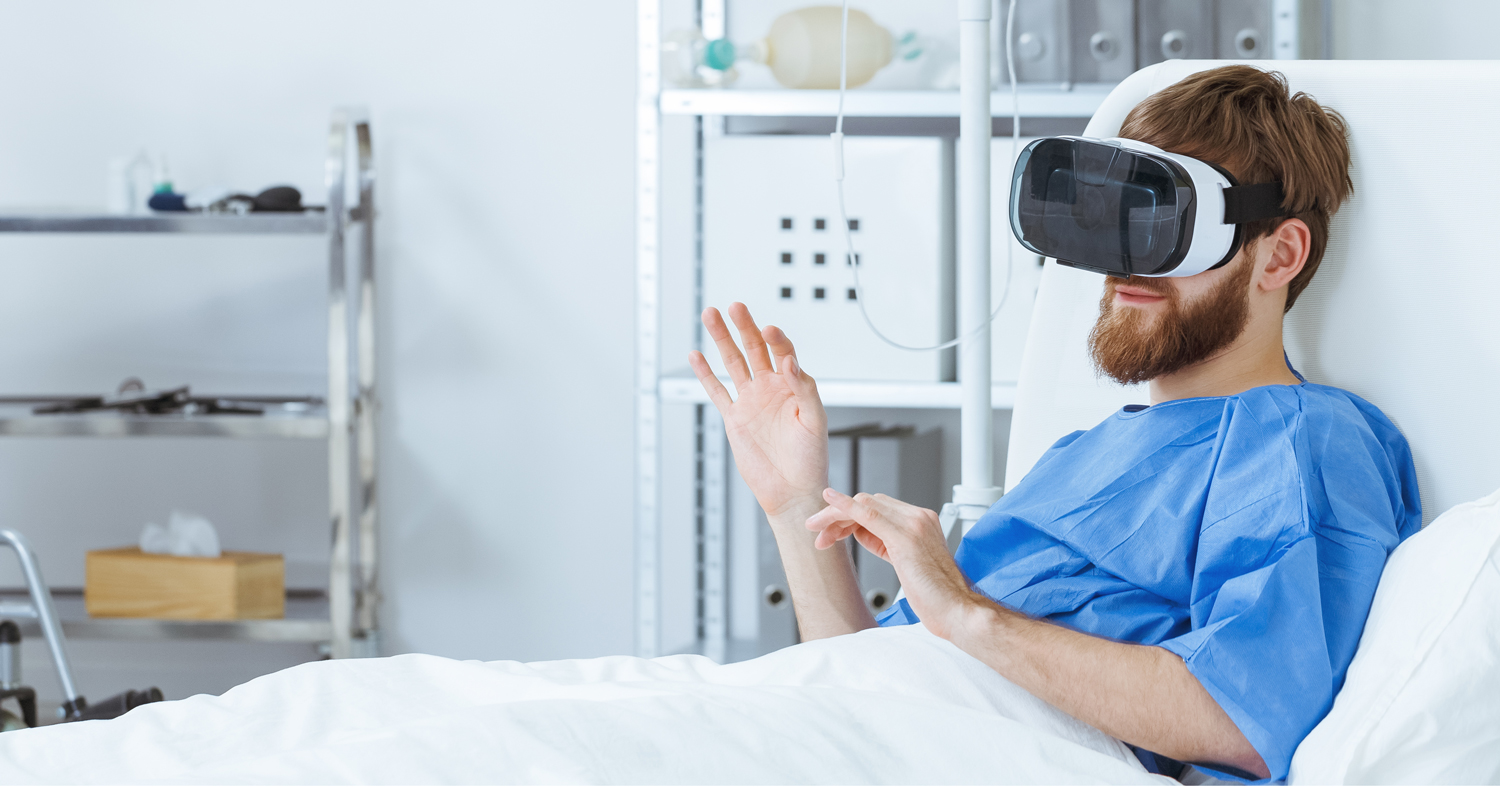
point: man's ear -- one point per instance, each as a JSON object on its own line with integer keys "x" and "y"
{"x": 1288, "y": 246}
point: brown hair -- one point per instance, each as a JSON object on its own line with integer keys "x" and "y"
{"x": 1248, "y": 122}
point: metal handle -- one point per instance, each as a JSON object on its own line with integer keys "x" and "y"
{"x": 46, "y": 616}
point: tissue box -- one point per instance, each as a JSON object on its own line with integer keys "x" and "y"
{"x": 129, "y": 583}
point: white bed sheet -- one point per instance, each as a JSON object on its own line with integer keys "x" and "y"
{"x": 881, "y": 707}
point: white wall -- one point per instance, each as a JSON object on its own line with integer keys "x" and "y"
{"x": 1429, "y": 30}
{"x": 503, "y": 140}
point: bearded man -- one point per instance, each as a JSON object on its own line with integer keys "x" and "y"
{"x": 1190, "y": 576}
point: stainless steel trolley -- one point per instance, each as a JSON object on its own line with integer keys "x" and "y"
{"x": 347, "y": 422}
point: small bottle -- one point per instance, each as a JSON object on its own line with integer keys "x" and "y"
{"x": 802, "y": 48}
{"x": 163, "y": 183}
{"x": 688, "y": 59}
{"x": 130, "y": 184}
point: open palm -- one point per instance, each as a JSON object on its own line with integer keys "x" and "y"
{"x": 776, "y": 424}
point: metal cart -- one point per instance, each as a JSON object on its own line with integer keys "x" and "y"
{"x": 347, "y": 620}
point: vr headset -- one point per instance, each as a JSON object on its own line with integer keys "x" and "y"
{"x": 1125, "y": 208}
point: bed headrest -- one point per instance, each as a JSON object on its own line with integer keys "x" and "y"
{"x": 1403, "y": 310}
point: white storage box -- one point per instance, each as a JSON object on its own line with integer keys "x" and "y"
{"x": 772, "y": 241}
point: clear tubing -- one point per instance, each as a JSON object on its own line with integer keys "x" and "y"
{"x": 838, "y": 175}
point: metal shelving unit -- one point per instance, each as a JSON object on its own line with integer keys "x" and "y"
{"x": 713, "y": 108}
{"x": 346, "y": 618}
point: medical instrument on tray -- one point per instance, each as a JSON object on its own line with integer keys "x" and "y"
{"x": 74, "y": 707}
{"x": 214, "y": 199}
{"x": 797, "y": 49}
{"x": 1125, "y": 208}
{"x": 133, "y": 398}
{"x": 851, "y": 258}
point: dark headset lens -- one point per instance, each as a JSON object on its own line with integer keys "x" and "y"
{"x": 1096, "y": 205}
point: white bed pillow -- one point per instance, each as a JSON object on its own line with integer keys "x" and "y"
{"x": 1421, "y": 703}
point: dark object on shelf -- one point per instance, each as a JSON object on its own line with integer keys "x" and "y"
{"x": 279, "y": 199}
{"x": 168, "y": 202}
{"x": 133, "y": 398}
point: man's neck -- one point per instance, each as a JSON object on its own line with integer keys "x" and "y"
{"x": 1255, "y": 359}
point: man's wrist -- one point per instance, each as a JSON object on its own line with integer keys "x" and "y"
{"x": 794, "y": 512}
{"x": 975, "y": 618}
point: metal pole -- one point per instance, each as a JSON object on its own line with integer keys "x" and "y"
{"x": 367, "y": 403}
{"x": 976, "y": 491}
{"x": 715, "y": 536}
{"x": 340, "y": 460}
{"x": 647, "y": 342}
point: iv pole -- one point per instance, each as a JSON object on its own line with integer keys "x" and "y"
{"x": 976, "y": 490}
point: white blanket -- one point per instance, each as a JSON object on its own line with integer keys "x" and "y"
{"x": 883, "y": 706}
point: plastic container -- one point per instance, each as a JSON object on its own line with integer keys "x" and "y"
{"x": 801, "y": 49}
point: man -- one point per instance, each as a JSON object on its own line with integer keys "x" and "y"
{"x": 1191, "y": 576}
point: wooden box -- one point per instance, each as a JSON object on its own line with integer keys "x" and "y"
{"x": 129, "y": 583}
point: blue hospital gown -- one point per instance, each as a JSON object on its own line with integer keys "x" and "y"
{"x": 1244, "y": 533}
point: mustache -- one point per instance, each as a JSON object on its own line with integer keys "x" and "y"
{"x": 1157, "y": 286}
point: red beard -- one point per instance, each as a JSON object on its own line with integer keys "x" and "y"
{"x": 1129, "y": 346}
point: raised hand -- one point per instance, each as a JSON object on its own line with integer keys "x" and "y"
{"x": 775, "y": 422}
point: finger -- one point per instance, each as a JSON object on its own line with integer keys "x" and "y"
{"x": 734, "y": 362}
{"x": 919, "y": 519}
{"x": 776, "y": 341}
{"x": 861, "y": 508}
{"x": 755, "y": 346}
{"x": 826, "y": 517}
{"x": 801, "y": 383}
{"x": 871, "y": 543}
{"x": 717, "y": 393}
{"x": 832, "y": 535}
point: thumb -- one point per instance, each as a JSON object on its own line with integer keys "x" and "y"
{"x": 801, "y": 383}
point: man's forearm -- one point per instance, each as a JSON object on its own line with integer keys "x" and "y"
{"x": 824, "y": 587}
{"x": 1140, "y": 694}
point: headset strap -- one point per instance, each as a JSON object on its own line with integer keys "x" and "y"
{"x": 1244, "y": 204}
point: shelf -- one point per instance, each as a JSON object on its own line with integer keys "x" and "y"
{"x": 306, "y": 621}
{"x": 1080, "y": 102}
{"x": 854, "y": 393}
{"x": 311, "y": 223}
{"x": 19, "y": 422}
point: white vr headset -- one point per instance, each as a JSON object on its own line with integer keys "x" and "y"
{"x": 1125, "y": 208}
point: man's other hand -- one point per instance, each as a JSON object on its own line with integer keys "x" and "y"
{"x": 911, "y": 540}
{"x": 775, "y": 423}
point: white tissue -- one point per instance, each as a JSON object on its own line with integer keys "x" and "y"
{"x": 186, "y": 535}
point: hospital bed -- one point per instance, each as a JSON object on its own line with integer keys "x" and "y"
{"x": 1403, "y": 313}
